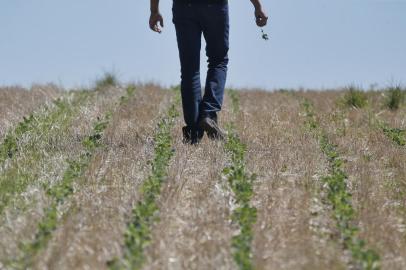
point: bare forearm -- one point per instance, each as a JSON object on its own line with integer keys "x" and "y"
{"x": 260, "y": 16}
{"x": 154, "y": 6}
{"x": 257, "y": 4}
{"x": 156, "y": 18}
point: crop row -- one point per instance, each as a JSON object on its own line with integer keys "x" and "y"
{"x": 241, "y": 183}
{"x": 339, "y": 197}
{"x": 10, "y": 146}
{"x": 138, "y": 233}
{"x": 394, "y": 100}
{"x": 60, "y": 192}
{"x": 23, "y": 142}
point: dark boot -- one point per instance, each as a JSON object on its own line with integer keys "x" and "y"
{"x": 212, "y": 129}
{"x": 192, "y": 136}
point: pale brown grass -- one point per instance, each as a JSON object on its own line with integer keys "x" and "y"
{"x": 92, "y": 230}
{"x": 377, "y": 171}
{"x": 194, "y": 231}
{"x": 20, "y": 220}
{"x": 293, "y": 226}
{"x": 16, "y": 102}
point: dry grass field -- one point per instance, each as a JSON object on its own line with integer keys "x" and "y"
{"x": 100, "y": 179}
{"x": 17, "y": 102}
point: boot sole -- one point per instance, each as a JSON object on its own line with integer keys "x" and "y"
{"x": 212, "y": 130}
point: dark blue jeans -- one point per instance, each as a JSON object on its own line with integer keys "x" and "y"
{"x": 191, "y": 20}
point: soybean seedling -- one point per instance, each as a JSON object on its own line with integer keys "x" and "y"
{"x": 264, "y": 35}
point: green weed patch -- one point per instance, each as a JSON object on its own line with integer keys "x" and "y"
{"x": 396, "y": 135}
{"x": 340, "y": 198}
{"x": 145, "y": 213}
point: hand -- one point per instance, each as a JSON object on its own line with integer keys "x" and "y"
{"x": 153, "y": 22}
{"x": 261, "y": 17}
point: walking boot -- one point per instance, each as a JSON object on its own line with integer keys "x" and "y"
{"x": 192, "y": 136}
{"x": 212, "y": 129}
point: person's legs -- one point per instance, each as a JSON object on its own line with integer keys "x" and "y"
{"x": 188, "y": 33}
{"x": 215, "y": 24}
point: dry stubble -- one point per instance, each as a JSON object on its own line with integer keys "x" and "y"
{"x": 20, "y": 220}
{"x": 293, "y": 225}
{"x": 377, "y": 175}
{"x": 16, "y": 102}
{"x": 92, "y": 231}
{"x": 194, "y": 231}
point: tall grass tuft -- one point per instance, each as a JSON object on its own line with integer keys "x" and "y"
{"x": 355, "y": 98}
{"x": 107, "y": 80}
{"x": 394, "y": 98}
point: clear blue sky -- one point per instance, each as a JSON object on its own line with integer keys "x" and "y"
{"x": 313, "y": 43}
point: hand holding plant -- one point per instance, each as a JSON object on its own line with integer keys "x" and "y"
{"x": 154, "y": 19}
{"x": 260, "y": 17}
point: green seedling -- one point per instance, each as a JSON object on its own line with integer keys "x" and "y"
{"x": 144, "y": 214}
{"x": 13, "y": 180}
{"x": 339, "y": 197}
{"x": 241, "y": 183}
{"x": 264, "y": 35}
{"x": 396, "y": 135}
{"x": 62, "y": 191}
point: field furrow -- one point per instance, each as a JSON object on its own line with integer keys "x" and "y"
{"x": 376, "y": 166}
{"x": 101, "y": 179}
{"x": 91, "y": 232}
{"x": 340, "y": 185}
{"x": 194, "y": 231}
{"x": 240, "y": 182}
{"x": 293, "y": 226}
{"x": 41, "y": 161}
{"x": 61, "y": 191}
{"x": 144, "y": 214}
